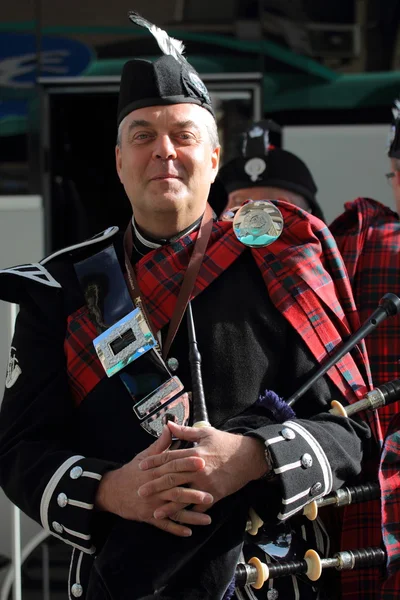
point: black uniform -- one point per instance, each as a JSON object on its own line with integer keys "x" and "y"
{"x": 54, "y": 450}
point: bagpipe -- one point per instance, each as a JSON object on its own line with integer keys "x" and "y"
{"x": 254, "y": 571}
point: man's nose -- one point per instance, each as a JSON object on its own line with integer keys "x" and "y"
{"x": 164, "y": 148}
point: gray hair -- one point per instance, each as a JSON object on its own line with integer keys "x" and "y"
{"x": 211, "y": 126}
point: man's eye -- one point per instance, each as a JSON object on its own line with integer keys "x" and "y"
{"x": 185, "y": 136}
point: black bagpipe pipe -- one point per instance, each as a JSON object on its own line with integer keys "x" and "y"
{"x": 200, "y": 414}
{"x": 383, "y": 395}
{"x": 389, "y": 306}
{"x": 256, "y": 573}
{"x": 343, "y": 497}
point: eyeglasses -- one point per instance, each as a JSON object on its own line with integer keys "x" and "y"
{"x": 390, "y": 176}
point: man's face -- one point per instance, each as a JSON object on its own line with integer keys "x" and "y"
{"x": 165, "y": 160}
{"x": 265, "y": 193}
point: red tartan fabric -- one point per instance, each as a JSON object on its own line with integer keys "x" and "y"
{"x": 160, "y": 272}
{"x": 84, "y": 368}
{"x": 367, "y": 234}
{"x": 304, "y": 275}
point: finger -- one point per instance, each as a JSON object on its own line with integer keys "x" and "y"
{"x": 171, "y": 527}
{"x": 188, "y": 517}
{"x": 200, "y": 508}
{"x": 184, "y": 495}
{"x": 165, "y": 482}
{"x": 169, "y": 509}
{"x": 151, "y": 462}
{"x": 180, "y": 465}
{"x": 189, "y": 434}
{"x": 160, "y": 445}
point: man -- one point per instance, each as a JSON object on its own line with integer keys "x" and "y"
{"x": 368, "y": 234}
{"x": 264, "y": 171}
{"x": 94, "y": 435}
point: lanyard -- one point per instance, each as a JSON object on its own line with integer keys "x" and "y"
{"x": 188, "y": 282}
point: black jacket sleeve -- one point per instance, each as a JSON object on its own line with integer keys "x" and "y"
{"x": 314, "y": 452}
{"x": 39, "y": 470}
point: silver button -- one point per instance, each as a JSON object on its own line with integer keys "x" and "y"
{"x": 316, "y": 488}
{"x": 76, "y": 472}
{"x": 62, "y": 500}
{"x": 77, "y": 590}
{"x": 306, "y": 460}
{"x": 173, "y": 364}
{"x": 58, "y": 528}
{"x": 272, "y": 594}
{"x": 288, "y": 434}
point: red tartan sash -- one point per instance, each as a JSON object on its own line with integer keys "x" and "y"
{"x": 304, "y": 275}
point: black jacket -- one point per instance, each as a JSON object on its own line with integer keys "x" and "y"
{"x": 54, "y": 451}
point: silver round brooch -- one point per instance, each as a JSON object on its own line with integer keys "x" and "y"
{"x": 258, "y": 223}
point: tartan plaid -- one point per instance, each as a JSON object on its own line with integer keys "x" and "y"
{"x": 84, "y": 369}
{"x": 161, "y": 271}
{"x": 303, "y": 272}
{"x": 367, "y": 234}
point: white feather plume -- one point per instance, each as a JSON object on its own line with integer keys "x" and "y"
{"x": 167, "y": 44}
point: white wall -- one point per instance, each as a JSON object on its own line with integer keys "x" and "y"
{"x": 346, "y": 161}
{"x": 21, "y": 241}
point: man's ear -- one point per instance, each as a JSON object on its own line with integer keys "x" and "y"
{"x": 215, "y": 161}
{"x": 118, "y": 162}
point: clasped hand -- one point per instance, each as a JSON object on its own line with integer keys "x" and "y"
{"x": 158, "y": 485}
{"x": 230, "y": 462}
{"x": 118, "y": 491}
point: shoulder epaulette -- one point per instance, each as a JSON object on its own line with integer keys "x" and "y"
{"x": 35, "y": 272}
{"x": 38, "y": 273}
{"x": 99, "y": 237}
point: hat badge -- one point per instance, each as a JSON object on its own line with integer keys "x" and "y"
{"x": 256, "y": 131}
{"x": 258, "y": 223}
{"x": 255, "y": 167}
{"x": 199, "y": 85}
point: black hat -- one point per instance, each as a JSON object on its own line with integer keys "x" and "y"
{"x": 262, "y": 165}
{"x": 394, "y": 137}
{"x": 261, "y": 137}
{"x": 170, "y": 79}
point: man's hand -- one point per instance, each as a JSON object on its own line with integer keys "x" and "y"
{"x": 230, "y": 462}
{"x": 118, "y": 491}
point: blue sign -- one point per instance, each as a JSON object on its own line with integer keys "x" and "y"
{"x": 19, "y": 69}
{"x": 59, "y": 57}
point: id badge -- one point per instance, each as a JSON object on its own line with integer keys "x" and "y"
{"x": 125, "y": 341}
{"x": 157, "y": 396}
